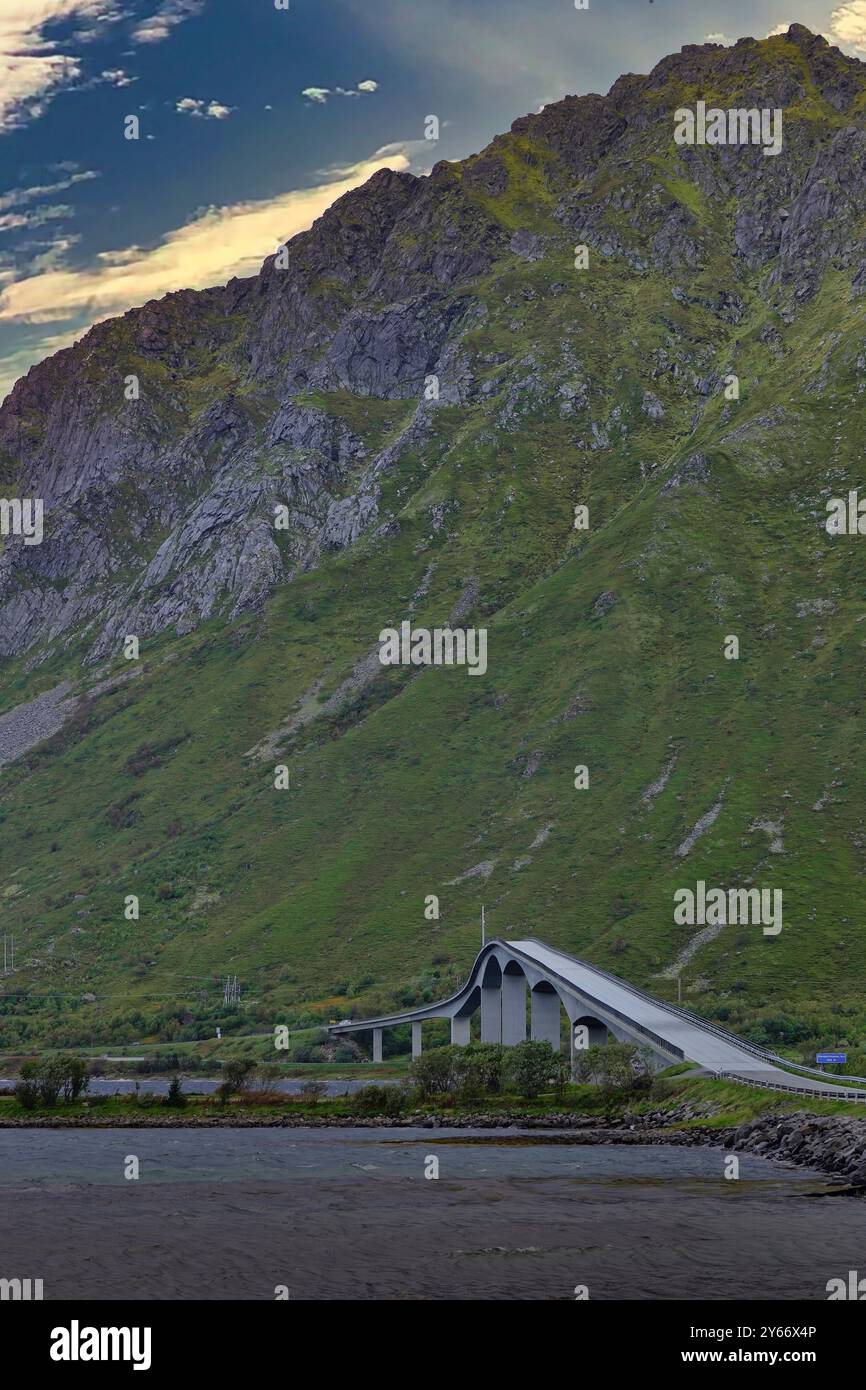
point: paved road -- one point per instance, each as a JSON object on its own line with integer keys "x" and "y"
{"x": 700, "y": 1043}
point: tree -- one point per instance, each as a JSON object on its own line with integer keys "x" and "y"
{"x": 175, "y": 1097}
{"x": 49, "y": 1077}
{"x": 76, "y": 1077}
{"x": 436, "y": 1073}
{"x": 617, "y": 1066}
{"x": 236, "y": 1075}
{"x": 587, "y": 1063}
{"x": 26, "y": 1089}
{"x": 479, "y": 1066}
{"x": 530, "y": 1067}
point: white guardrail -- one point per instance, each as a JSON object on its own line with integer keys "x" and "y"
{"x": 837, "y": 1093}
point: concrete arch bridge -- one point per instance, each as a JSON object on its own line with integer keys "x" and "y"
{"x": 505, "y": 971}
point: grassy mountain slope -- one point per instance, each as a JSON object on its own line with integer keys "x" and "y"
{"x": 603, "y": 387}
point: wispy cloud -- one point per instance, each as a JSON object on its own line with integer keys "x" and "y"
{"x": 36, "y": 217}
{"x": 170, "y": 14}
{"x": 217, "y": 244}
{"x": 18, "y": 197}
{"x": 33, "y": 66}
{"x": 31, "y": 69}
{"x": 319, "y": 95}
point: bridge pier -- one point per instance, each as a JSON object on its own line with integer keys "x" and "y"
{"x": 544, "y": 1015}
{"x": 491, "y": 1013}
{"x": 491, "y": 1003}
{"x": 460, "y": 1034}
{"x": 377, "y": 1044}
{"x": 513, "y": 1007}
{"x": 416, "y": 1038}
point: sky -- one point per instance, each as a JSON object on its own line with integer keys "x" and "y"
{"x": 254, "y": 115}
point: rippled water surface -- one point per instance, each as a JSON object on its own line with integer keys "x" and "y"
{"x": 349, "y": 1213}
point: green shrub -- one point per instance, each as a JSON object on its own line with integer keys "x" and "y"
{"x": 27, "y": 1091}
{"x": 236, "y": 1075}
{"x": 532, "y": 1067}
{"x": 175, "y": 1097}
{"x": 380, "y": 1100}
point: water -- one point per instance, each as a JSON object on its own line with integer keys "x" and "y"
{"x": 348, "y": 1213}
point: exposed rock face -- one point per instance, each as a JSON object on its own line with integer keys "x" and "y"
{"x": 161, "y": 499}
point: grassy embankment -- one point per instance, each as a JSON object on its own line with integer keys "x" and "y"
{"x": 713, "y": 1104}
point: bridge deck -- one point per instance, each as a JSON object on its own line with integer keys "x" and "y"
{"x": 680, "y": 1032}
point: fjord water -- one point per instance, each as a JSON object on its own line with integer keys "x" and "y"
{"x": 348, "y": 1214}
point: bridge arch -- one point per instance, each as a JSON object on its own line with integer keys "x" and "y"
{"x": 589, "y": 1031}
{"x": 497, "y": 985}
{"x": 546, "y": 1014}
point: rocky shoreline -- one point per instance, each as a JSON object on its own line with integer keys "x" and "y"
{"x": 589, "y": 1129}
{"x": 831, "y": 1143}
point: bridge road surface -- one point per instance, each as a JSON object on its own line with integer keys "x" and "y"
{"x": 710, "y": 1047}
{"x": 707, "y": 1049}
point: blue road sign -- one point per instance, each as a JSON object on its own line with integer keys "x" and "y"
{"x": 831, "y": 1056}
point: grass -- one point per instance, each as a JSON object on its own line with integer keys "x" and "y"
{"x": 716, "y": 1105}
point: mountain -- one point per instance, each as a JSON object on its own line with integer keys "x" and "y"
{"x": 423, "y": 388}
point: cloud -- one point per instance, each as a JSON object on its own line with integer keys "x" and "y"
{"x": 848, "y": 26}
{"x": 170, "y": 14}
{"x": 208, "y": 110}
{"x": 219, "y": 243}
{"x": 17, "y": 197}
{"x": 319, "y": 95}
{"x": 31, "y": 69}
{"x": 117, "y": 77}
{"x": 779, "y": 29}
{"x": 15, "y": 221}
{"x": 717, "y": 38}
